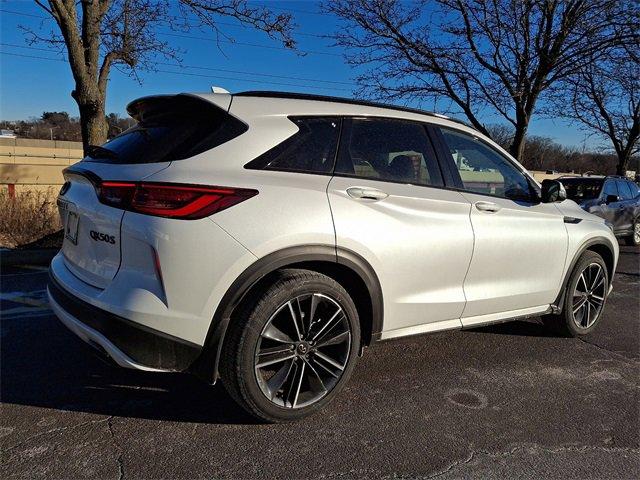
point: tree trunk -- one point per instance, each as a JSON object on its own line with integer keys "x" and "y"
{"x": 623, "y": 162}
{"x": 516, "y": 149}
{"x": 93, "y": 121}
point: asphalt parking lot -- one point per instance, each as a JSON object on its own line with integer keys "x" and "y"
{"x": 503, "y": 401}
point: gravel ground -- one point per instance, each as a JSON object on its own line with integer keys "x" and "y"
{"x": 503, "y": 401}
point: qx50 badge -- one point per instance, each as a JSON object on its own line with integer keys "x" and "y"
{"x": 102, "y": 237}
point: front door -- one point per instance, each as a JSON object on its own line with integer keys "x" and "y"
{"x": 520, "y": 244}
{"x": 387, "y": 204}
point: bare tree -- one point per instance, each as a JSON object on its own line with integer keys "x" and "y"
{"x": 604, "y": 97}
{"x": 98, "y": 35}
{"x": 498, "y": 57}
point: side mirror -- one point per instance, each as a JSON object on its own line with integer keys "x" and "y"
{"x": 611, "y": 199}
{"x": 553, "y": 191}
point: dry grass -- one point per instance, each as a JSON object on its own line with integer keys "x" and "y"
{"x": 28, "y": 217}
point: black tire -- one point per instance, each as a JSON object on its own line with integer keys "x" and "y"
{"x": 240, "y": 353}
{"x": 567, "y": 323}
{"x": 632, "y": 240}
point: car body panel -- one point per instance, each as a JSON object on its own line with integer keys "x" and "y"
{"x": 518, "y": 257}
{"x": 419, "y": 241}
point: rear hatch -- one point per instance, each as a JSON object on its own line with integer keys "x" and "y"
{"x": 169, "y": 128}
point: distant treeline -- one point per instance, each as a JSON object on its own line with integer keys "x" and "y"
{"x": 541, "y": 153}
{"x": 544, "y": 153}
{"x": 61, "y": 126}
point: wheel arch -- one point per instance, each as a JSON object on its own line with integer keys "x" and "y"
{"x": 600, "y": 245}
{"x": 348, "y": 268}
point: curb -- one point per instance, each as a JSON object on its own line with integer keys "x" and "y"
{"x": 39, "y": 256}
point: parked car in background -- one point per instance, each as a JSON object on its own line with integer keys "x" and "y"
{"x": 7, "y": 134}
{"x": 616, "y": 199}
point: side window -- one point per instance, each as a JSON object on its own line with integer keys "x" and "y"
{"x": 635, "y": 189}
{"x": 483, "y": 170}
{"x": 625, "y": 191}
{"x": 609, "y": 189}
{"x": 389, "y": 150}
{"x": 311, "y": 150}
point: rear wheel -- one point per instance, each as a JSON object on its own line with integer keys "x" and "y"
{"x": 584, "y": 298}
{"x": 634, "y": 238}
{"x": 292, "y": 347}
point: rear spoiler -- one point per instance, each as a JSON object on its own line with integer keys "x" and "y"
{"x": 146, "y": 107}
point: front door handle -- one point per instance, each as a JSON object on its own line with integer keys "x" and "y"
{"x": 366, "y": 193}
{"x": 488, "y": 207}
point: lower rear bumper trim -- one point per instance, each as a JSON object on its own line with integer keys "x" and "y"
{"x": 128, "y": 343}
{"x": 92, "y": 336}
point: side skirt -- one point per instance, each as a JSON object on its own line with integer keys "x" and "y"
{"x": 471, "y": 322}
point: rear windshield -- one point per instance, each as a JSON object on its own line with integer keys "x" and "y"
{"x": 581, "y": 189}
{"x": 168, "y": 129}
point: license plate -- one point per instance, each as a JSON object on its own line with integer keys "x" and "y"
{"x": 71, "y": 229}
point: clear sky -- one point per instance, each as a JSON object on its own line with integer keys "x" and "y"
{"x": 29, "y": 86}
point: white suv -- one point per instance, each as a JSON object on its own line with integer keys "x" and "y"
{"x": 268, "y": 238}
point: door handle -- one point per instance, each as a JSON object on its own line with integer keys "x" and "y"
{"x": 367, "y": 193}
{"x": 488, "y": 207}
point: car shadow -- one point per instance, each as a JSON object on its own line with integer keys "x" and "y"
{"x": 524, "y": 328}
{"x": 44, "y": 365}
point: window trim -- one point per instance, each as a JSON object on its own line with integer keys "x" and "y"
{"x": 448, "y": 160}
{"x": 347, "y": 123}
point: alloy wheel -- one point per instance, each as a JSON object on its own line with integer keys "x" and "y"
{"x": 302, "y": 350}
{"x": 589, "y": 295}
{"x": 636, "y": 232}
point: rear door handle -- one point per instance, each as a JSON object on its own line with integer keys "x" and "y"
{"x": 366, "y": 193}
{"x": 488, "y": 207}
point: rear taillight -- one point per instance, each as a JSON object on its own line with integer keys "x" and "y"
{"x": 169, "y": 200}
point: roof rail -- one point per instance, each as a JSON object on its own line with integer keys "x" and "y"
{"x": 349, "y": 101}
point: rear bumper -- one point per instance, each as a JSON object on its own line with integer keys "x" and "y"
{"x": 129, "y": 344}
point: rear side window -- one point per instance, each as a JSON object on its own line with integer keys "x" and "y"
{"x": 168, "y": 129}
{"x": 389, "y": 150}
{"x": 311, "y": 150}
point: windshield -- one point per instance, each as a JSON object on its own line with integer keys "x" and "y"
{"x": 581, "y": 189}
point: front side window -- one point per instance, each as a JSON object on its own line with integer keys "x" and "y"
{"x": 610, "y": 189}
{"x": 311, "y": 150}
{"x": 483, "y": 170}
{"x": 389, "y": 150}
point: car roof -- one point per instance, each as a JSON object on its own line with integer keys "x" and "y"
{"x": 346, "y": 101}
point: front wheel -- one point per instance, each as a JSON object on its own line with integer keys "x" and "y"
{"x": 584, "y": 298}
{"x": 291, "y": 347}
{"x": 634, "y": 239}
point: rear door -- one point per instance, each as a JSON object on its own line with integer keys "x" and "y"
{"x": 388, "y": 206}
{"x": 169, "y": 129}
{"x": 520, "y": 244}
{"x": 625, "y": 213}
